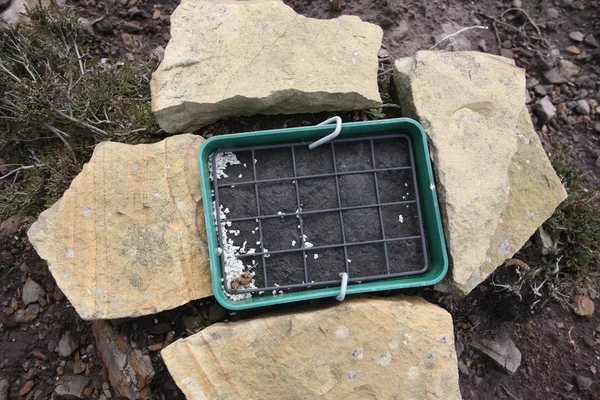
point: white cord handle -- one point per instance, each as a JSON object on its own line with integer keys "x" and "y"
{"x": 333, "y": 135}
{"x": 342, "y": 294}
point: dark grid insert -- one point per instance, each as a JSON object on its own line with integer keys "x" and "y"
{"x": 338, "y": 232}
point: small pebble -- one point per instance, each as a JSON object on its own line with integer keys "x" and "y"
{"x": 576, "y": 36}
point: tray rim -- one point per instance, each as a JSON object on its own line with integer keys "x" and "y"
{"x": 431, "y": 212}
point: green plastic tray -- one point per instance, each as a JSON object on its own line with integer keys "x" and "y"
{"x": 427, "y": 197}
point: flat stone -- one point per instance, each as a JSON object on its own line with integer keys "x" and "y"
{"x": 502, "y": 350}
{"x": 545, "y": 109}
{"x": 67, "y": 345}
{"x": 12, "y": 225}
{"x": 490, "y": 209}
{"x": 128, "y": 236}
{"x": 129, "y": 370}
{"x": 582, "y": 107}
{"x": 568, "y": 69}
{"x": 573, "y": 50}
{"x": 591, "y": 40}
{"x": 576, "y": 36}
{"x": 4, "y": 388}
{"x": 71, "y": 386}
{"x": 584, "y": 383}
{"x": 554, "y": 76}
{"x": 540, "y": 90}
{"x": 374, "y": 348}
{"x": 260, "y": 57}
{"x": 552, "y": 12}
{"x": 32, "y": 291}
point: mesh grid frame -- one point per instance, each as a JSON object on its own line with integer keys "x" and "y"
{"x": 295, "y": 178}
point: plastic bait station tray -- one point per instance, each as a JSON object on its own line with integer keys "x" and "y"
{"x": 355, "y": 214}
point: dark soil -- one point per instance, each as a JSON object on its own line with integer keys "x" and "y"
{"x": 556, "y": 345}
{"x": 365, "y": 261}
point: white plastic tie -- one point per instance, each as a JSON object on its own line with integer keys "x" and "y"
{"x": 331, "y": 136}
{"x": 342, "y": 294}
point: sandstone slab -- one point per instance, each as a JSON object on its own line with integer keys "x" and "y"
{"x": 128, "y": 236}
{"x": 495, "y": 184}
{"x": 398, "y": 347}
{"x": 230, "y": 58}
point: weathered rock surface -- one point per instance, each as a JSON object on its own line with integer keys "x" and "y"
{"x": 495, "y": 183}
{"x": 128, "y": 236}
{"x": 260, "y": 57}
{"x": 502, "y": 350}
{"x": 130, "y": 372}
{"x": 361, "y": 349}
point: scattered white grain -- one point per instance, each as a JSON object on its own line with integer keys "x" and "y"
{"x": 293, "y": 242}
{"x": 308, "y": 245}
{"x": 406, "y": 184}
{"x": 240, "y": 176}
{"x": 349, "y": 261}
{"x": 223, "y": 161}
{"x": 316, "y": 256}
{"x": 401, "y": 218}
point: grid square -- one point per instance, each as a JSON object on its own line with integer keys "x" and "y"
{"x": 401, "y": 220}
{"x": 317, "y": 161}
{"x": 394, "y": 186}
{"x": 279, "y": 233}
{"x": 254, "y": 265}
{"x": 353, "y": 156}
{"x": 327, "y": 264}
{"x": 322, "y": 229}
{"x": 282, "y": 269}
{"x": 242, "y": 172}
{"x": 245, "y": 235}
{"x": 362, "y": 225}
{"x": 405, "y": 256}
{"x": 245, "y": 200}
{"x": 357, "y": 190}
{"x": 277, "y": 197}
{"x": 318, "y": 194}
{"x": 366, "y": 260}
{"x": 274, "y": 163}
{"x": 390, "y": 153}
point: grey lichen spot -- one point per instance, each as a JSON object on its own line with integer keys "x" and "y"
{"x": 146, "y": 246}
{"x": 429, "y": 356}
{"x": 358, "y": 353}
{"x": 353, "y": 376}
{"x": 384, "y": 359}
{"x": 87, "y": 211}
{"x": 70, "y": 252}
{"x": 413, "y": 372}
{"x": 443, "y": 339}
{"x": 112, "y": 175}
{"x": 342, "y": 332}
{"x": 137, "y": 282}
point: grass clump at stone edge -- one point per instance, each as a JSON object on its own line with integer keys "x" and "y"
{"x": 56, "y": 103}
{"x": 575, "y": 228}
